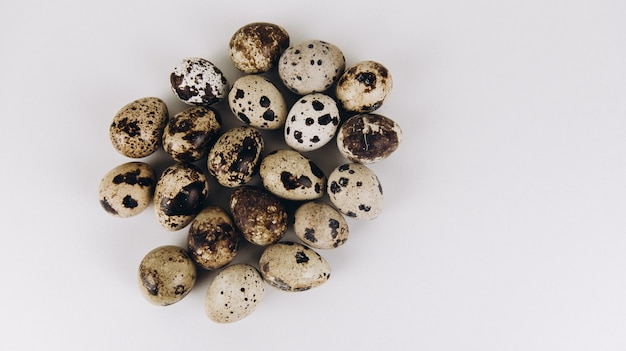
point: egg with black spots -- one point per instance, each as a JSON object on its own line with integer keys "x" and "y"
{"x": 197, "y": 81}
{"x": 320, "y": 226}
{"x": 356, "y": 191}
{"x": 290, "y": 175}
{"x": 188, "y": 134}
{"x": 127, "y": 189}
{"x": 257, "y": 102}
{"x": 234, "y": 158}
{"x": 312, "y": 122}
{"x": 364, "y": 87}
{"x": 137, "y": 128}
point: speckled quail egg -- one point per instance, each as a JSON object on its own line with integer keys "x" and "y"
{"x": 188, "y": 134}
{"x": 137, "y": 128}
{"x": 290, "y": 175}
{"x": 290, "y": 266}
{"x": 256, "y": 101}
{"x": 166, "y": 275}
{"x": 259, "y": 215}
{"x": 368, "y": 138}
{"x": 234, "y": 158}
{"x": 180, "y": 194}
{"x": 356, "y": 191}
{"x": 255, "y": 47}
{"x": 234, "y": 293}
{"x": 212, "y": 239}
{"x": 197, "y": 81}
{"x": 364, "y": 87}
{"x": 312, "y": 66}
{"x": 127, "y": 189}
{"x": 320, "y": 225}
{"x": 312, "y": 122}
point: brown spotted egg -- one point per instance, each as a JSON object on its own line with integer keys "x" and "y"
{"x": 364, "y": 87}
{"x": 320, "y": 225}
{"x": 187, "y": 135}
{"x": 180, "y": 194}
{"x": 311, "y": 66}
{"x": 256, "y": 101}
{"x": 312, "y": 122}
{"x": 293, "y": 267}
{"x": 234, "y": 293}
{"x": 137, "y": 128}
{"x": 368, "y": 138}
{"x": 166, "y": 275}
{"x": 356, "y": 191}
{"x": 255, "y": 47}
{"x": 259, "y": 215}
{"x": 234, "y": 158}
{"x": 290, "y": 175}
{"x": 127, "y": 189}
{"x": 212, "y": 240}
{"x": 197, "y": 81}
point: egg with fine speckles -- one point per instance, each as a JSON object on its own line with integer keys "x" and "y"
{"x": 259, "y": 215}
{"x": 364, "y": 87}
{"x": 166, "y": 275}
{"x": 355, "y": 191}
{"x": 312, "y": 122}
{"x": 255, "y": 47}
{"x": 234, "y": 293}
{"x": 234, "y": 158}
{"x": 290, "y": 175}
{"x": 256, "y": 101}
{"x": 187, "y": 135}
{"x": 127, "y": 189}
{"x": 212, "y": 240}
{"x": 197, "y": 81}
{"x": 137, "y": 128}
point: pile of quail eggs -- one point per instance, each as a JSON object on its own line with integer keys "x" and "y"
{"x": 334, "y": 104}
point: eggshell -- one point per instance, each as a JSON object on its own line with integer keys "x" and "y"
{"x": 320, "y": 225}
{"x": 234, "y": 293}
{"x": 197, "y": 81}
{"x": 368, "y": 138}
{"x": 166, "y": 275}
{"x": 290, "y": 175}
{"x": 312, "y": 122}
{"x": 259, "y": 215}
{"x": 187, "y": 135}
{"x": 255, "y": 47}
{"x": 293, "y": 267}
{"x": 256, "y": 101}
{"x": 356, "y": 191}
{"x": 137, "y": 128}
{"x": 127, "y": 189}
{"x": 212, "y": 240}
{"x": 234, "y": 158}
{"x": 364, "y": 87}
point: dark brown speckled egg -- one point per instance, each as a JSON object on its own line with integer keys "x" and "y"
{"x": 364, "y": 87}
{"x": 256, "y": 47}
{"x": 187, "y": 135}
{"x": 137, "y": 128}
{"x": 235, "y": 156}
{"x": 368, "y": 138}
{"x": 259, "y": 215}
{"x": 213, "y": 239}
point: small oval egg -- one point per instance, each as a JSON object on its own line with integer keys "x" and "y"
{"x": 311, "y": 66}
{"x": 127, "y": 189}
{"x": 179, "y": 196}
{"x": 355, "y": 191}
{"x": 290, "y": 266}
{"x": 259, "y": 215}
{"x": 368, "y": 138}
{"x": 256, "y": 47}
{"x": 166, "y": 275}
{"x": 212, "y": 240}
{"x": 364, "y": 87}
{"x": 197, "y": 81}
{"x": 234, "y": 293}
{"x": 320, "y": 225}
{"x": 290, "y": 175}
{"x": 234, "y": 158}
{"x": 137, "y": 128}
{"x": 256, "y": 101}
{"x": 312, "y": 122}
{"x": 187, "y": 135}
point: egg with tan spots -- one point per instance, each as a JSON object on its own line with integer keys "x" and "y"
{"x": 234, "y": 293}
{"x": 127, "y": 189}
{"x": 320, "y": 225}
{"x": 356, "y": 191}
{"x": 234, "y": 158}
{"x": 256, "y": 101}
{"x": 256, "y": 47}
{"x": 364, "y": 87}
{"x": 137, "y": 128}
{"x": 312, "y": 122}
{"x": 197, "y": 81}
{"x": 290, "y": 175}
{"x": 213, "y": 240}
{"x": 259, "y": 215}
{"x": 187, "y": 135}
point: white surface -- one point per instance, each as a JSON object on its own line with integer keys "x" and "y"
{"x": 505, "y": 220}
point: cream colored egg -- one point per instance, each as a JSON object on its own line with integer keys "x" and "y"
{"x": 234, "y": 293}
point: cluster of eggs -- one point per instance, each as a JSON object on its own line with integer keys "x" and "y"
{"x": 334, "y": 103}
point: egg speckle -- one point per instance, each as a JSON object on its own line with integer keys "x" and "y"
{"x": 355, "y": 191}
{"x": 256, "y": 101}
{"x": 364, "y": 87}
{"x": 187, "y": 135}
{"x": 255, "y": 47}
{"x": 234, "y": 293}
{"x": 166, "y": 275}
{"x": 197, "y": 81}
{"x": 368, "y": 138}
{"x": 312, "y": 122}
{"x": 320, "y": 226}
{"x": 293, "y": 267}
{"x": 127, "y": 189}
{"x": 290, "y": 175}
{"x": 212, "y": 239}
{"x": 137, "y": 128}
{"x": 259, "y": 215}
{"x": 234, "y": 158}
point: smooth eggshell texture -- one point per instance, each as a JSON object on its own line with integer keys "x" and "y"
{"x": 312, "y": 122}
{"x": 356, "y": 191}
{"x": 127, "y": 189}
{"x": 290, "y": 175}
{"x": 234, "y": 293}
{"x": 364, "y": 87}
{"x": 292, "y": 267}
{"x": 259, "y": 215}
{"x": 256, "y": 101}
{"x": 234, "y": 158}
{"x": 166, "y": 275}
{"x": 311, "y": 66}
{"x": 368, "y": 138}
{"x": 212, "y": 239}
{"x": 197, "y": 81}
{"x": 137, "y": 128}
{"x": 255, "y": 47}
{"x": 187, "y": 135}
{"x": 320, "y": 225}
{"x": 180, "y": 195}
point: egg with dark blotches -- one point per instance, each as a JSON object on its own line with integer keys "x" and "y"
{"x": 256, "y": 101}
{"x": 234, "y": 158}
{"x": 127, "y": 189}
{"x": 292, "y": 267}
{"x": 188, "y": 134}
{"x": 166, "y": 275}
{"x": 312, "y": 122}
{"x": 255, "y": 47}
{"x": 364, "y": 87}
{"x": 137, "y": 128}
{"x": 290, "y": 175}
{"x": 259, "y": 215}
{"x": 179, "y": 196}
{"x": 212, "y": 239}
{"x": 355, "y": 191}
{"x": 320, "y": 226}
{"x": 197, "y": 81}
{"x": 234, "y": 293}
{"x": 368, "y": 138}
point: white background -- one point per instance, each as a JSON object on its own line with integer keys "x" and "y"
{"x": 504, "y": 226}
